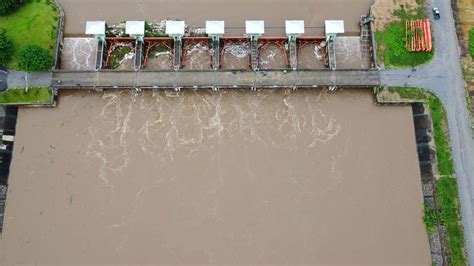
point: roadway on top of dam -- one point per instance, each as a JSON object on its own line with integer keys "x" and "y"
{"x": 213, "y": 79}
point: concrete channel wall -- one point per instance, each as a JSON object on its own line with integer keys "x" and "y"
{"x": 8, "y": 118}
{"x": 59, "y": 38}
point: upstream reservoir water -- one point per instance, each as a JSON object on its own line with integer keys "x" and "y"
{"x": 230, "y": 177}
{"x": 195, "y": 13}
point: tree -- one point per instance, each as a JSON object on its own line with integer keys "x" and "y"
{"x": 34, "y": 58}
{"x": 6, "y": 48}
{"x": 8, "y": 6}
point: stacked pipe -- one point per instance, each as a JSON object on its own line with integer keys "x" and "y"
{"x": 418, "y": 35}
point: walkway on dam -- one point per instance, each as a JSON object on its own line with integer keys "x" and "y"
{"x": 211, "y": 79}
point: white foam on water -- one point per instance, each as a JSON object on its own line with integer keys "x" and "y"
{"x": 237, "y": 50}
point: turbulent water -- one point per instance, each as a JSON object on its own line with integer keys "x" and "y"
{"x": 227, "y": 177}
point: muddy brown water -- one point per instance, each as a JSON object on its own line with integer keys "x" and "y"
{"x": 198, "y": 57}
{"x": 236, "y": 56}
{"x": 227, "y": 177}
{"x": 159, "y": 58}
{"x": 349, "y": 53}
{"x": 78, "y": 54}
{"x": 273, "y": 57}
{"x": 311, "y": 56}
{"x": 195, "y": 13}
{"x": 161, "y": 61}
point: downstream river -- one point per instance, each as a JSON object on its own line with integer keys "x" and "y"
{"x": 271, "y": 176}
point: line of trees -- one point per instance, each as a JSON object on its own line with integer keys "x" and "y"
{"x": 6, "y": 48}
{"x": 31, "y": 58}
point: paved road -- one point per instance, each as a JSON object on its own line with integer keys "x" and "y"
{"x": 16, "y": 79}
{"x": 443, "y": 77}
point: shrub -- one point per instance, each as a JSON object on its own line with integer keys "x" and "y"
{"x": 6, "y": 48}
{"x": 8, "y": 6}
{"x": 430, "y": 219}
{"x": 35, "y": 58}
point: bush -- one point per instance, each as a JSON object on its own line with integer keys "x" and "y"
{"x": 430, "y": 219}
{"x": 8, "y": 6}
{"x": 6, "y": 48}
{"x": 34, "y": 58}
{"x": 471, "y": 42}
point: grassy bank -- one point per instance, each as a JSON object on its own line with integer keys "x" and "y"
{"x": 409, "y": 93}
{"x": 471, "y": 42}
{"x": 443, "y": 150}
{"x": 448, "y": 202}
{"x": 446, "y": 187}
{"x": 391, "y": 42}
{"x": 35, "y": 22}
{"x": 20, "y": 96}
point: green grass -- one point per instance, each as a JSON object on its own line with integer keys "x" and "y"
{"x": 430, "y": 219}
{"x": 409, "y": 93}
{"x": 445, "y": 161}
{"x": 391, "y": 42}
{"x": 448, "y": 201}
{"x": 35, "y": 22}
{"x": 471, "y": 42}
{"x": 34, "y": 95}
